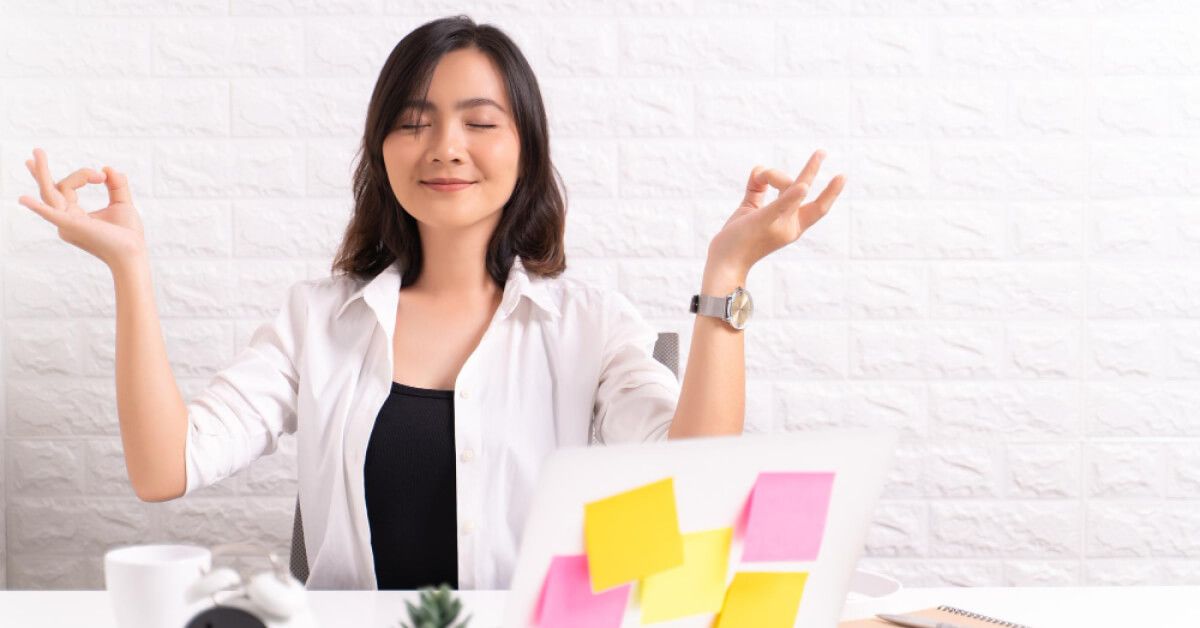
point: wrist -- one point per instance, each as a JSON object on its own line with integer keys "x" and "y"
{"x": 720, "y": 279}
{"x": 134, "y": 263}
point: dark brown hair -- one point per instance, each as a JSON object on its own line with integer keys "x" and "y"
{"x": 532, "y": 222}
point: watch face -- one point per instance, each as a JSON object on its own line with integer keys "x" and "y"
{"x": 741, "y": 308}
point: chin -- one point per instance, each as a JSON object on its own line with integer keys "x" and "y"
{"x": 451, "y": 219}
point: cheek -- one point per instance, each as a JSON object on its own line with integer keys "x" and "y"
{"x": 399, "y": 159}
{"x": 402, "y": 142}
{"x": 501, "y": 157}
{"x": 392, "y": 154}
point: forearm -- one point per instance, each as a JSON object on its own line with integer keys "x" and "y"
{"x": 712, "y": 398}
{"x": 150, "y": 409}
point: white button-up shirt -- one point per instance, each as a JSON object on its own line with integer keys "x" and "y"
{"x": 568, "y": 364}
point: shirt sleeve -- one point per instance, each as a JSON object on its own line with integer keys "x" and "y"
{"x": 246, "y": 407}
{"x": 637, "y": 394}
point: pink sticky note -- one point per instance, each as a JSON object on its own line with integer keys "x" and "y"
{"x": 567, "y": 601}
{"x": 785, "y": 516}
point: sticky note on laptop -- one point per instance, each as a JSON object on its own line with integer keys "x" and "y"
{"x": 762, "y": 600}
{"x": 785, "y": 516}
{"x": 695, "y": 587}
{"x": 567, "y": 601}
{"x": 632, "y": 535}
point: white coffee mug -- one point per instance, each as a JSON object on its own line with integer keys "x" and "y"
{"x": 146, "y": 583}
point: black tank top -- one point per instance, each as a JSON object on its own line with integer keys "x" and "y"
{"x": 410, "y": 491}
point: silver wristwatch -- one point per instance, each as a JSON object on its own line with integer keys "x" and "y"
{"x": 734, "y": 309}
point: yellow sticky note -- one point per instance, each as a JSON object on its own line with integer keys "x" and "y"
{"x": 762, "y": 600}
{"x": 697, "y": 586}
{"x": 632, "y": 535}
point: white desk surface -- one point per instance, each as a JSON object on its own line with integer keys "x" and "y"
{"x": 1035, "y": 606}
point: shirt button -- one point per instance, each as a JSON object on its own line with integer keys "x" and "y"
{"x": 468, "y": 527}
{"x": 462, "y": 394}
{"x": 468, "y": 454}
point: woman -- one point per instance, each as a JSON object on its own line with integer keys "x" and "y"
{"x": 427, "y": 380}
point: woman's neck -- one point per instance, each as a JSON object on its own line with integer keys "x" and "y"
{"x": 454, "y": 268}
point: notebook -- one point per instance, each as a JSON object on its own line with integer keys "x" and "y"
{"x": 947, "y": 614}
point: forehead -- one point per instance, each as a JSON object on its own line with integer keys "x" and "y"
{"x": 463, "y": 79}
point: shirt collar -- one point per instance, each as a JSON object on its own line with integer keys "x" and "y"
{"x": 519, "y": 283}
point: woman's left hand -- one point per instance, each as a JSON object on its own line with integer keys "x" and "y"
{"x": 755, "y": 231}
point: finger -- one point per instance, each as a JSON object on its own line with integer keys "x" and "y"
{"x": 41, "y": 173}
{"x": 804, "y": 181}
{"x": 812, "y": 212}
{"x": 54, "y": 216}
{"x": 811, "y": 167}
{"x": 760, "y": 180}
{"x": 76, "y": 180}
{"x": 118, "y": 186}
{"x": 789, "y": 199}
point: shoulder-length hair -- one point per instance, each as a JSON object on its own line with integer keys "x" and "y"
{"x": 532, "y": 222}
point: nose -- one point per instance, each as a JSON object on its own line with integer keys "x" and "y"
{"x": 447, "y": 143}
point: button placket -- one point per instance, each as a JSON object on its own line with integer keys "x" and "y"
{"x": 467, "y": 435}
{"x": 466, "y": 482}
{"x": 471, "y": 473}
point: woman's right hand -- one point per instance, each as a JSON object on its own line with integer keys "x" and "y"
{"x": 113, "y": 234}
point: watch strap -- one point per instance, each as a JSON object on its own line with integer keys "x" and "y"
{"x": 710, "y": 306}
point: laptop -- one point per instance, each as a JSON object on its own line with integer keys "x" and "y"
{"x": 712, "y": 478}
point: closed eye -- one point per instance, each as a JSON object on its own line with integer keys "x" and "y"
{"x": 481, "y": 126}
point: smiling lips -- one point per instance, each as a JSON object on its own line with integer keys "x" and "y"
{"x": 447, "y": 185}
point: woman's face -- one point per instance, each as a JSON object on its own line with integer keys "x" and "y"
{"x": 476, "y": 143}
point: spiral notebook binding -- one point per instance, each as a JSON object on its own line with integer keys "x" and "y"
{"x": 969, "y": 614}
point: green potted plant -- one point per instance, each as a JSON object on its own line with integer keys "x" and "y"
{"x": 438, "y": 608}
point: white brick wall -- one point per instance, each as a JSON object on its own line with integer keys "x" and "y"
{"x": 1007, "y": 279}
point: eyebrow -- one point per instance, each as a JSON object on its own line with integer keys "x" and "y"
{"x": 479, "y": 101}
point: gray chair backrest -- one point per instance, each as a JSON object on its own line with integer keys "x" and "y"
{"x": 666, "y": 350}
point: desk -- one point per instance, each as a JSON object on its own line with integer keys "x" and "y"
{"x": 1038, "y": 606}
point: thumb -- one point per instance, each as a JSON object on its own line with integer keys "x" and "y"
{"x": 755, "y": 188}
{"x": 118, "y": 186}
